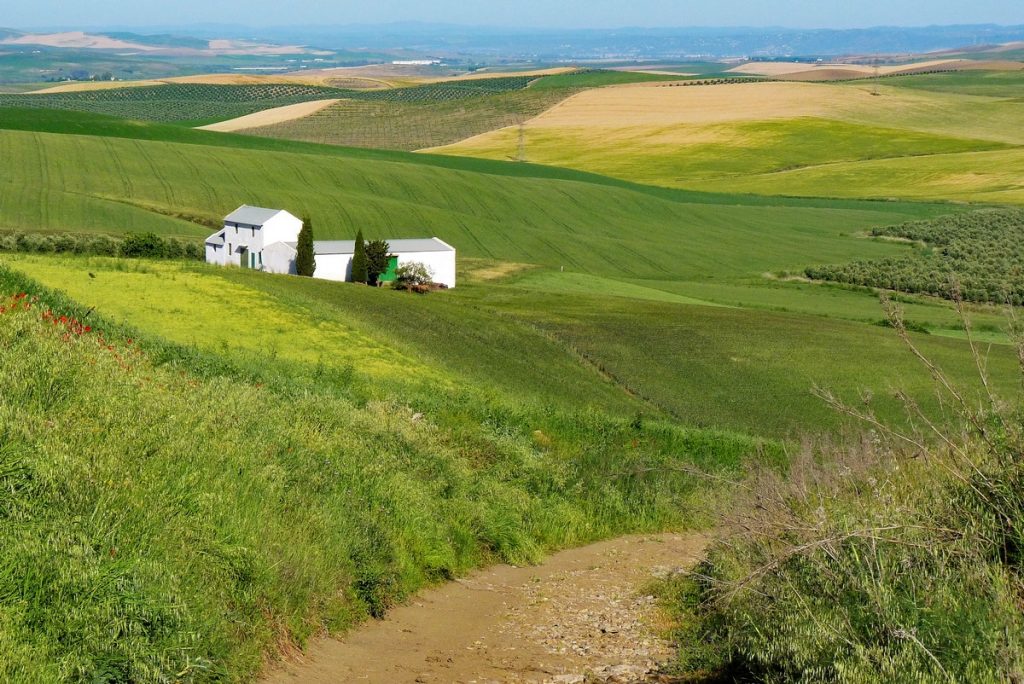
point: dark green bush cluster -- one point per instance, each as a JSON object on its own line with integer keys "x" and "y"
{"x": 977, "y": 256}
{"x": 132, "y": 245}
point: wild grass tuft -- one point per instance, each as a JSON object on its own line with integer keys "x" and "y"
{"x": 896, "y": 558}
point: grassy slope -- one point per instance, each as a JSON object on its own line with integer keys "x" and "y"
{"x": 850, "y": 147}
{"x": 703, "y": 365}
{"x": 712, "y": 155}
{"x": 176, "y": 516}
{"x": 79, "y": 123}
{"x": 972, "y": 177}
{"x": 1002, "y": 84}
{"x": 390, "y": 338}
{"x": 413, "y": 126}
{"x": 67, "y": 182}
{"x": 588, "y": 225}
{"x": 742, "y": 368}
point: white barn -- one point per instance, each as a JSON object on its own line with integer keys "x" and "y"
{"x": 266, "y": 240}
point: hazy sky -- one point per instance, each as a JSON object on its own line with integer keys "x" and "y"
{"x": 518, "y": 13}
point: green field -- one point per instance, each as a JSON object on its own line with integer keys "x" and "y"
{"x": 174, "y": 514}
{"x": 598, "y": 78}
{"x": 147, "y": 185}
{"x": 709, "y": 366}
{"x": 902, "y": 138}
{"x": 680, "y": 158}
{"x": 1001, "y": 84}
{"x": 600, "y": 246}
{"x": 193, "y": 103}
{"x": 196, "y": 103}
{"x": 228, "y": 462}
{"x": 415, "y": 125}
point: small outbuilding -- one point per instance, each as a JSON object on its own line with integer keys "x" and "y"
{"x": 267, "y": 239}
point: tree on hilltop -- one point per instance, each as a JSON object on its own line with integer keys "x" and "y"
{"x": 305, "y": 259}
{"x": 359, "y": 264}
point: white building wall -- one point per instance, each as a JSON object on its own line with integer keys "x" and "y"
{"x": 242, "y": 235}
{"x": 338, "y": 267}
{"x": 441, "y": 264}
{"x": 215, "y": 254}
{"x": 333, "y": 267}
{"x": 283, "y": 227}
{"x": 279, "y": 258}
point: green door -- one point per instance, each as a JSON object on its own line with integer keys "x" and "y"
{"x": 243, "y": 258}
{"x": 389, "y": 275}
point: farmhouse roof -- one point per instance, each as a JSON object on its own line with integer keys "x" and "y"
{"x": 251, "y": 216}
{"x": 215, "y": 239}
{"x": 394, "y": 246}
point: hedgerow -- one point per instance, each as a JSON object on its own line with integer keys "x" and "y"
{"x": 131, "y": 245}
{"x": 976, "y": 256}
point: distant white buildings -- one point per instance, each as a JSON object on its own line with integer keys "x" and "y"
{"x": 267, "y": 239}
{"x": 416, "y": 62}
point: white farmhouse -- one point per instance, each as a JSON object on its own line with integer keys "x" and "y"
{"x": 267, "y": 239}
{"x": 246, "y": 234}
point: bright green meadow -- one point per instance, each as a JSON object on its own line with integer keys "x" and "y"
{"x": 204, "y": 467}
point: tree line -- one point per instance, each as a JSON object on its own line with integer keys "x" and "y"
{"x": 976, "y": 256}
{"x": 369, "y": 258}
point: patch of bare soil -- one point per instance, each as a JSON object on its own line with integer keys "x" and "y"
{"x": 268, "y": 117}
{"x": 581, "y": 616}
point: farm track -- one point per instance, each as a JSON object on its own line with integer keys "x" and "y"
{"x": 581, "y": 611}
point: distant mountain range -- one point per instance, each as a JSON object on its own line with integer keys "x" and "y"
{"x": 575, "y": 44}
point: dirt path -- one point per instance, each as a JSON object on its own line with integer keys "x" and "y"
{"x": 580, "y": 613}
{"x": 269, "y": 117}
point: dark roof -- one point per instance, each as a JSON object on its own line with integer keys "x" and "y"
{"x": 395, "y": 246}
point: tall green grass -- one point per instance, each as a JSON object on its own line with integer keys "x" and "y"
{"x": 174, "y": 515}
{"x": 895, "y": 558}
{"x": 708, "y": 366}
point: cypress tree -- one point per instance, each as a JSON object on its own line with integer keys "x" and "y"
{"x": 376, "y": 260}
{"x": 305, "y": 260}
{"x": 359, "y": 265}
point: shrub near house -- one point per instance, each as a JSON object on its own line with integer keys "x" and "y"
{"x": 416, "y": 277}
